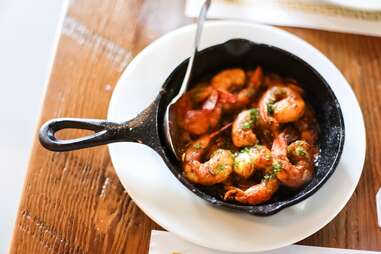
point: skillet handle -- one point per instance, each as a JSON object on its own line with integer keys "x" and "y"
{"x": 141, "y": 129}
{"x": 105, "y": 132}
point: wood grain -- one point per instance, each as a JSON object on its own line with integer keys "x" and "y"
{"x": 74, "y": 203}
{"x": 359, "y": 59}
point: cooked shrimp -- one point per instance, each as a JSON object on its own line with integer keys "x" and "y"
{"x": 274, "y": 135}
{"x": 251, "y": 159}
{"x": 243, "y": 97}
{"x": 254, "y": 195}
{"x": 216, "y": 170}
{"x": 229, "y": 79}
{"x": 293, "y": 165}
{"x": 220, "y": 142}
{"x": 242, "y": 129}
{"x": 201, "y": 92}
{"x": 281, "y": 104}
{"x": 198, "y": 121}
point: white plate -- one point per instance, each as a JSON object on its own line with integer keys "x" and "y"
{"x": 162, "y": 197}
{"x": 365, "y": 5}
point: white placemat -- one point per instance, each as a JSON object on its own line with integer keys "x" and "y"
{"x": 163, "y": 242}
{"x": 316, "y": 14}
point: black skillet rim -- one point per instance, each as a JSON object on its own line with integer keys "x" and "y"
{"x": 260, "y": 210}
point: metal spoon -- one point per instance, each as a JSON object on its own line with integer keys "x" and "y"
{"x": 169, "y": 127}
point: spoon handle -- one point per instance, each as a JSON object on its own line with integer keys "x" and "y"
{"x": 200, "y": 24}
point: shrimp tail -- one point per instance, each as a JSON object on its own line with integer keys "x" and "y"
{"x": 211, "y": 102}
{"x": 256, "y": 78}
{"x": 226, "y": 97}
{"x": 279, "y": 147}
{"x": 235, "y": 194}
{"x": 254, "y": 195}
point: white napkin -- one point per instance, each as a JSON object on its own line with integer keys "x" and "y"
{"x": 315, "y": 14}
{"x": 378, "y": 206}
{"x": 163, "y": 242}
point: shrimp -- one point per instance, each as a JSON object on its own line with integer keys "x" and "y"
{"x": 216, "y": 170}
{"x": 254, "y": 195}
{"x": 281, "y": 104}
{"x": 293, "y": 164}
{"x": 243, "y": 97}
{"x": 201, "y": 92}
{"x": 220, "y": 142}
{"x": 198, "y": 121}
{"x": 229, "y": 79}
{"x": 251, "y": 159}
{"x": 242, "y": 129}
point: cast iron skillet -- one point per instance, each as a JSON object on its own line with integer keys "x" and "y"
{"x": 147, "y": 127}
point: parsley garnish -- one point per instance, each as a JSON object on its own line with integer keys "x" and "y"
{"x": 246, "y": 150}
{"x": 277, "y": 167}
{"x": 270, "y": 108}
{"x": 254, "y": 113}
{"x": 268, "y": 176}
{"x": 299, "y": 151}
{"x": 221, "y": 167}
{"x": 247, "y": 125}
{"x": 253, "y": 119}
{"x": 197, "y": 145}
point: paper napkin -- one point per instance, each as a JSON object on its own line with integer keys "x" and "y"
{"x": 315, "y": 14}
{"x": 163, "y": 242}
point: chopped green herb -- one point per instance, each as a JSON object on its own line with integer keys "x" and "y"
{"x": 268, "y": 176}
{"x": 246, "y": 150}
{"x": 254, "y": 113}
{"x": 236, "y": 163}
{"x": 221, "y": 167}
{"x": 299, "y": 151}
{"x": 270, "y": 108}
{"x": 277, "y": 167}
{"x": 197, "y": 145}
{"x": 253, "y": 118}
{"x": 247, "y": 125}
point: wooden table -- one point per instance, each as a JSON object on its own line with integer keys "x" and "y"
{"x": 74, "y": 203}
